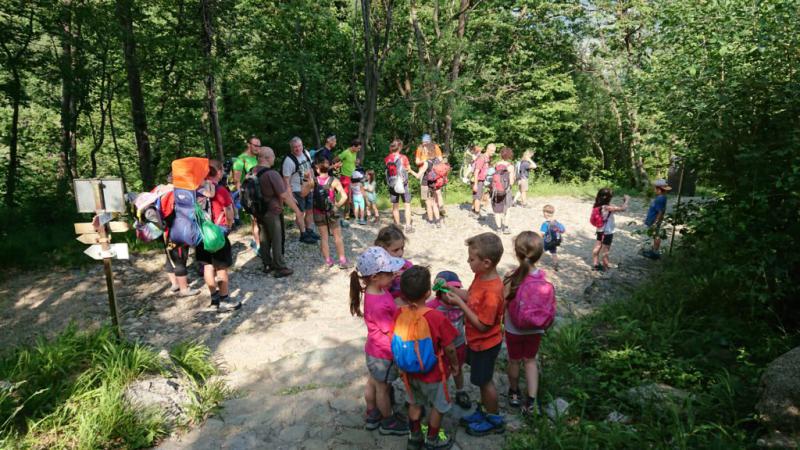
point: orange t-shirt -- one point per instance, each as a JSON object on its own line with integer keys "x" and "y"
{"x": 420, "y": 154}
{"x": 486, "y": 301}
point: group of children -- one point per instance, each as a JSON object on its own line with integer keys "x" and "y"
{"x": 425, "y": 330}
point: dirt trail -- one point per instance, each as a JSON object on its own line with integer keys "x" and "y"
{"x": 294, "y": 352}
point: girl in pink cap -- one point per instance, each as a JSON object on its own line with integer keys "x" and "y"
{"x": 374, "y": 273}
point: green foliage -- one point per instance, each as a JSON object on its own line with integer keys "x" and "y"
{"x": 68, "y": 392}
{"x": 675, "y": 331}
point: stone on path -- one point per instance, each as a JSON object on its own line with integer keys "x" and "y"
{"x": 779, "y": 404}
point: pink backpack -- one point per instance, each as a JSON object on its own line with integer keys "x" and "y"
{"x": 596, "y": 218}
{"x": 534, "y": 305}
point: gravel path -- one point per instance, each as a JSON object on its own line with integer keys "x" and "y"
{"x": 294, "y": 352}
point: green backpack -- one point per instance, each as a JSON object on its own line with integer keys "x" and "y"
{"x": 212, "y": 235}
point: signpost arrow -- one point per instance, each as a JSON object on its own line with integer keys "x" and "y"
{"x": 119, "y": 251}
{"x": 119, "y": 227}
{"x": 89, "y": 238}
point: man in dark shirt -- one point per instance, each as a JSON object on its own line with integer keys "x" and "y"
{"x": 275, "y": 194}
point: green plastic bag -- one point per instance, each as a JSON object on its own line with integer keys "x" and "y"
{"x": 212, "y": 236}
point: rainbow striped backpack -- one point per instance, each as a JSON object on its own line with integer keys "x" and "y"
{"x": 412, "y": 344}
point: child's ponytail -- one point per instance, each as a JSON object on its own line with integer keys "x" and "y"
{"x": 356, "y": 289}
{"x": 528, "y": 248}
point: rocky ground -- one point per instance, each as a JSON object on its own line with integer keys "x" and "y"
{"x": 293, "y": 352}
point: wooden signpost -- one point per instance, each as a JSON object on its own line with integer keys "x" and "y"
{"x": 106, "y": 197}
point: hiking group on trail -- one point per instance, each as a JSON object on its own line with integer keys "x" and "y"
{"x": 421, "y": 329}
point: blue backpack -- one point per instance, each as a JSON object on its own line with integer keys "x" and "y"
{"x": 185, "y": 229}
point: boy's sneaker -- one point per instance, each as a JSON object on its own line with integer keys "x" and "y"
{"x": 492, "y": 424}
{"x": 462, "y": 400}
{"x": 228, "y": 305}
{"x": 415, "y": 441}
{"x": 441, "y": 441}
{"x": 392, "y": 425}
{"x": 513, "y": 399}
{"x": 476, "y": 417}
{"x": 373, "y": 419}
{"x": 214, "y": 305}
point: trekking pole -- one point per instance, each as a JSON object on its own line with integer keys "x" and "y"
{"x": 677, "y": 205}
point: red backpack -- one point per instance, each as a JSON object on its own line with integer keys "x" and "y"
{"x": 501, "y": 180}
{"x": 534, "y": 305}
{"x": 437, "y": 173}
{"x": 596, "y": 219}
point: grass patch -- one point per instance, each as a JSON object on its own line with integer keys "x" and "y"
{"x": 69, "y": 392}
{"x": 675, "y": 330}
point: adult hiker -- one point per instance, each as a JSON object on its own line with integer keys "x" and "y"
{"x": 274, "y": 194}
{"x": 241, "y": 165}
{"x": 298, "y": 179}
{"x": 327, "y": 149}
{"x": 397, "y": 170}
{"x": 480, "y": 169}
{"x": 348, "y": 158}
{"x": 422, "y": 154}
{"x": 524, "y": 166}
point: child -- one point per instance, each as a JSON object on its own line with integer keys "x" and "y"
{"x": 392, "y": 239}
{"x": 524, "y": 166}
{"x": 523, "y": 345}
{"x": 551, "y": 231}
{"x": 456, "y": 318}
{"x": 483, "y": 309}
{"x": 654, "y": 216}
{"x": 372, "y": 197}
{"x": 219, "y": 206}
{"x": 374, "y": 273}
{"x": 425, "y": 387}
{"x": 502, "y": 181}
{"x": 325, "y": 206}
{"x": 605, "y": 233}
{"x": 358, "y": 196}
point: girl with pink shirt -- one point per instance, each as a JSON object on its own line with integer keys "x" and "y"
{"x": 374, "y": 273}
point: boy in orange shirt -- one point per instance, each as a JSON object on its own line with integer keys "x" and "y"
{"x": 483, "y": 310}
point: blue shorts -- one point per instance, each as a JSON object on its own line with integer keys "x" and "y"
{"x": 303, "y": 203}
{"x": 358, "y": 201}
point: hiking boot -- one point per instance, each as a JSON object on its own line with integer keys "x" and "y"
{"x": 513, "y": 399}
{"x": 226, "y": 304}
{"x": 188, "y": 293}
{"x": 462, "y": 400}
{"x": 373, "y": 419}
{"x": 214, "y": 305}
{"x": 392, "y": 425}
{"x": 476, "y": 417}
{"x": 492, "y": 424}
{"x": 415, "y": 441}
{"x": 307, "y": 238}
{"x": 441, "y": 441}
{"x": 280, "y": 273}
{"x": 313, "y": 234}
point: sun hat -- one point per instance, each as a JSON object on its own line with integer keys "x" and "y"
{"x": 426, "y": 138}
{"x": 450, "y": 278}
{"x": 377, "y": 259}
{"x": 662, "y": 183}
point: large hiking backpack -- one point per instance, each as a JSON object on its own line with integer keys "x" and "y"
{"x": 395, "y": 177}
{"x": 296, "y": 161}
{"x": 412, "y": 344}
{"x": 321, "y": 195}
{"x": 534, "y": 305}
{"x": 596, "y": 218}
{"x": 184, "y": 228}
{"x": 552, "y": 238}
{"x": 252, "y": 198}
{"x": 436, "y": 175}
{"x": 148, "y": 223}
{"x": 501, "y": 181}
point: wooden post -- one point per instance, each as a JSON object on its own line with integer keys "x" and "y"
{"x": 677, "y": 204}
{"x": 105, "y": 242}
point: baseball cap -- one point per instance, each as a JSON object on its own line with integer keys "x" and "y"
{"x": 450, "y": 278}
{"x": 662, "y": 183}
{"x": 426, "y": 138}
{"x": 377, "y": 259}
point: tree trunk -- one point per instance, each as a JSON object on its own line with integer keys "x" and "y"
{"x": 375, "y": 50}
{"x": 206, "y": 9}
{"x": 99, "y": 138}
{"x": 114, "y": 135}
{"x": 124, "y": 16}
{"x": 13, "y": 161}
{"x": 65, "y": 173}
{"x": 455, "y": 68}
{"x": 301, "y": 72}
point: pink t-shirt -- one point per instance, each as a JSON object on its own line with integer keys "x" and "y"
{"x": 379, "y": 311}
